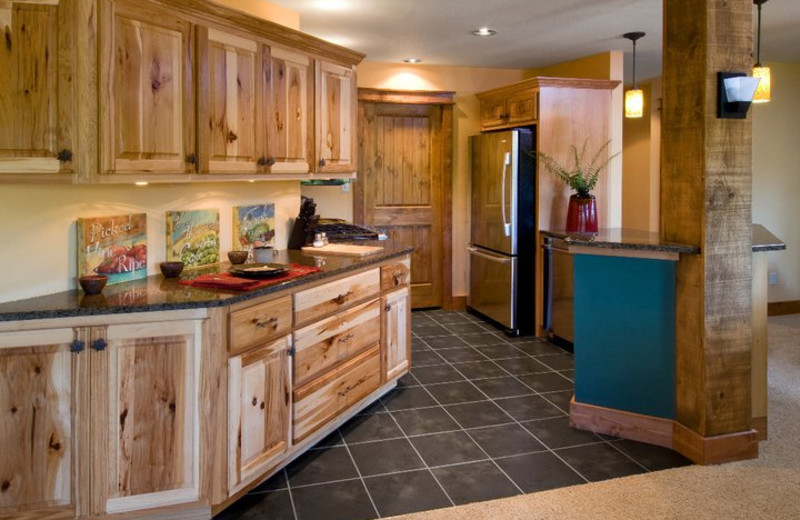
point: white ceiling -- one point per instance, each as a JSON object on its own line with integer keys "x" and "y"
{"x": 530, "y": 33}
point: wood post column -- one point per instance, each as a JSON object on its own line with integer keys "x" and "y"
{"x": 706, "y": 201}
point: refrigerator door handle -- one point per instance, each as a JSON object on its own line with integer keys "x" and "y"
{"x": 506, "y": 222}
{"x": 493, "y": 258}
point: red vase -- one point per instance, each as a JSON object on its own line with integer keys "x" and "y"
{"x": 582, "y": 214}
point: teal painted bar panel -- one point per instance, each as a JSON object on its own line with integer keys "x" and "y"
{"x": 625, "y": 334}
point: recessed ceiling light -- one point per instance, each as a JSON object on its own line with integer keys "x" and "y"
{"x": 484, "y": 31}
{"x": 412, "y": 60}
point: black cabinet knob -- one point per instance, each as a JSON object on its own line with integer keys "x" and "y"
{"x": 77, "y": 346}
{"x": 65, "y": 155}
{"x": 191, "y": 158}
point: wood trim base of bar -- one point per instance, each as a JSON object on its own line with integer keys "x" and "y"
{"x": 717, "y": 449}
{"x": 618, "y": 423}
{"x": 781, "y": 308}
{"x": 459, "y": 303}
{"x": 668, "y": 433}
{"x": 759, "y": 424}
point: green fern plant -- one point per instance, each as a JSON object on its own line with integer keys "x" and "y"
{"x": 580, "y": 177}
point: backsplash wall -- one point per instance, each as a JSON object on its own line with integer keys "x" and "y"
{"x": 38, "y": 233}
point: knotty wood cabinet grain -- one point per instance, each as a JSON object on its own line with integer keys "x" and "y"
{"x": 231, "y": 133}
{"x": 147, "y": 90}
{"x": 145, "y": 415}
{"x": 259, "y": 402}
{"x": 396, "y": 333}
{"x": 289, "y": 89}
{"x": 508, "y": 109}
{"x": 42, "y": 410}
{"x": 336, "y": 105}
{"x": 37, "y": 90}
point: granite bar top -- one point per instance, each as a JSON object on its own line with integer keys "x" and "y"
{"x": 156, "y": 293}
{"x": 763, "y": 240}
{"x": 623, "y": 239}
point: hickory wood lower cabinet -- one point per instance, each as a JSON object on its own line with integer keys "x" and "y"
{"x": 103, "y": 416}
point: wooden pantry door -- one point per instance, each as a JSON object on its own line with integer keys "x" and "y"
{"x": 404, "y": 182}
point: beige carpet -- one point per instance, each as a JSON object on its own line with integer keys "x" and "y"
{"x": 765, "y": 488}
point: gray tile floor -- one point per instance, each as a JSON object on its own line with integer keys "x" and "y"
{"x": 480, "y": 416}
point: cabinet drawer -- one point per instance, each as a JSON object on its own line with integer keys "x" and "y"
{"x": 323, "y": 399}
{"x": 329, "y": 297}
{"x": 397, "y": 274}
{"x": 259, "y": 323}
{"x": 322, "y": 345}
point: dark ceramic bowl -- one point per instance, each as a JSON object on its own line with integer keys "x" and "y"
{"x": 238, "y": 257}
{"x": 93, "y": 284}
{"x": 171, "y": 269}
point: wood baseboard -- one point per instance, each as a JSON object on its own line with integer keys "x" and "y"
{"x": 618, "y": 423}
{"x": 717, "y": 449}
{"x": 759, "y": 424}
{"x": 668, "y": 433}
{"x": 781, "y": 308}
{"x": 458, "y": 303}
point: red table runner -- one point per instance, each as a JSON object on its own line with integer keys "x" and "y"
{"x": 233, "y": 283}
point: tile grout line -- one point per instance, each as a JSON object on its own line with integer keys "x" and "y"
{"x": 427, "y": 467}
{"x": 291, "y": 496}
{"x": 529, "y": 432}
{"x": 360, "y": 476}
{"x": 612, "y": 444}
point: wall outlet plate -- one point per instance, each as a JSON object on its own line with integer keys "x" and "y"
{"x": 773, "y": 278}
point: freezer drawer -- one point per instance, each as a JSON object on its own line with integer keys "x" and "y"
{"x": 492, "y": 286}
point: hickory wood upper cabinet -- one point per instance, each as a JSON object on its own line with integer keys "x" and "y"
{"x": 336, "y": 109}
{"x": 37, "y": 103}
{"x": 508, "y": 108}
{"x": 103, "y": 419}
{"x": 230, "y": 103}
{"x": 147, "y": 112}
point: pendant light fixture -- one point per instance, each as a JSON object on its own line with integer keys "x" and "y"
{"x": 634, "y": 98}
{"x": 760, "y": 71}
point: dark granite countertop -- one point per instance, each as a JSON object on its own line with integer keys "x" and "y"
{"x": 632, "y": 239}
{"x": 763, "y": 240}
{"x": 156, "y": 293}
{"x": 621, "y": 238}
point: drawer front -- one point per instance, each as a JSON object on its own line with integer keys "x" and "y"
{"x": 330, "y": 297}
{"x": 397, "y": 274}
{"x": 259, "y": 323}
{"x": 322, "y": 400}
{"x": 329, "y": 342}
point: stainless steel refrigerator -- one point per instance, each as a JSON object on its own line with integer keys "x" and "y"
{"x": 502, "y": 242}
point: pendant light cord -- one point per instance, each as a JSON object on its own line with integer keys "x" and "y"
{"x": 758, "y": 46}
{"x": 634, "y": 64}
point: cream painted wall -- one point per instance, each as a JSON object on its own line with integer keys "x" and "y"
{"x": 265, "y": 10}
{"x": 776, "y": 175}
{"x": 332, "y": 201}
{"x": 37, "y": 224}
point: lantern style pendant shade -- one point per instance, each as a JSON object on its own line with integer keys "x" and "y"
{"x": 634, "y": 103}
{"x": 634, "y": 98}
{"x": 763, "y": 92}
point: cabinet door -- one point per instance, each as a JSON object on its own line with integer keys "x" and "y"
{"x": 493, "y": 112}
{"x": 335, "y": 119}
{"x": 289, "y": 113}
{"x": 36, "y": 87}
{"x": 396, "y": 340}
{"x": 259, "y": 401}
{"x": 40, "y": 402}
{"x": 230, "y": 113}
{"x": 145, "y": 424}
{"x": 146, "y": 103}
{"x": 522, "y": 107}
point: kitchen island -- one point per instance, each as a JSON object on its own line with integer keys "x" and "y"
{"x": 158, "y": 399}
{"x": 624, "y": 308}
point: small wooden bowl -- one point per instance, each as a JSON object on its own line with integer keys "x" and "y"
{"x": 93, "y": 284}
{"x": 238, "y": 257}
{"x": 171, "y": 269}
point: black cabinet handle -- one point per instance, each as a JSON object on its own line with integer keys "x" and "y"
{"x": 270, "y": 161}
{"x": 99, "y": 344}
{"x": 191, "y": 158}
{"x": 262, "y": 161}
{"x": 388, "y": 307}
{"x": 64, "y": 155}
{"x": 77, "y": 346}
{"x": 322, "y": 163}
